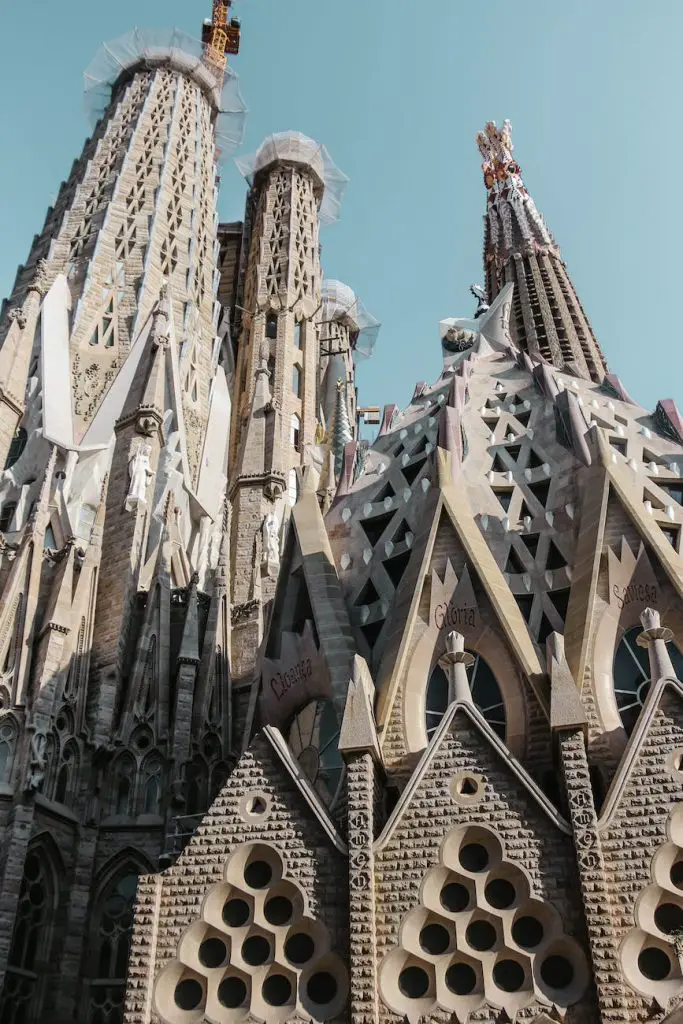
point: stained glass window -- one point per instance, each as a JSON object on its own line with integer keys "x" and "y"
{"x": 112, "y": 941}
{"x": 314, "y": 739}
{"x": 485, "y": 694}
{"x": 631, "y": 674}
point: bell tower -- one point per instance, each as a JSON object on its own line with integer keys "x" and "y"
{"x": 547, "y": 320}
{"x": 294, "y": 187}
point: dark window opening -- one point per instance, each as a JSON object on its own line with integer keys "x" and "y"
{"x": 504, "y": 496}
{"x": 271, "y": 327}
{"x": 560, "y": 600}
{"x": 540, "y": 491}
{"x": 412, "y": 470}
{"x": 555, "y": 558}
{"x": 375, "y": 527}
{"x": 396, "y": 567}
{"x": 368, "y": 594}
{"x": 514, "y": 563}
{"x": 525, "y": 602}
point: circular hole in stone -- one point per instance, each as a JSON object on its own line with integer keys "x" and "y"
{"x": 258, "y": 874}
{"x": 461, "y": 979}
{"x": 321, "y": 988}
{"x": 508, "y": 975}
{"x": 474, "y": 857}
{"x": 212, "y": 952}
{"x": 455, "y": 897}
{"x": 500, "y": 893}
{"x": 299, "y": 948}
{"x": 235, "y": 913}
{"x": 256, "y": 806}
{"x": 255, "y": 950}
{"x": 654, "y": 963}
{"x": 277, "y": 990}
{"x": 481, "y": 935}
{"x": 278, "y": 910}
{"x": 557, "y": 971}
{"x": 434, "y": 939}
{"x": 467, "y": 786}
{"x": 188, "y": 994}
{"x": 232, "y": 992}
{"x": 527, "y": 932}
{"x": 413, "y": 982}
{"x": 669, "y": 918}
{"x": 676, "y": 874}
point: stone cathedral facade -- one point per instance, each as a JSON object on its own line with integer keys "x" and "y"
{"x": 293, "y": 726}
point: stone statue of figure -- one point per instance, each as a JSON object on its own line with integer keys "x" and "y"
{"x": 38, "y": 762}
{"x": 140, "y": 474}
{"x": 270, "y": 531}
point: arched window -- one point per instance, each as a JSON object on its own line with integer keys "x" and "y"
{"x": 8, "y": 740}
{"x": 65, "y": 774}
{"x": 295, "y": 432}
{"x": 7, "y": 511}
{"x": 29, "y": 953}
{"x": 16, "y": 447}
{"x": 631, "y": 675}
{"x": 110, "y": 947}
{"x": 197, "y": 778}
{"x": 297, "y": 333}
{"x": 271, "y": 327}
{"x": 151, "y": 786}
{"x": 148, "y": 686}
{"x": 314, "y": 741}
{"x": 296, "y": 380}
{"x": 485, "y": 694}
{"x": 123, "y": 786}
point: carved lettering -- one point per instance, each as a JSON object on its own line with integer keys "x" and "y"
{"x": 282, "y": 682}
{"x": 642, "y": 593}
{"x": 449, "y": 615}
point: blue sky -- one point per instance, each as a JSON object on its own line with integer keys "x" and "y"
{"x": 397, "y": 90}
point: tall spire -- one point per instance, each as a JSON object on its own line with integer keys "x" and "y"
{"x": 548, "y": 320}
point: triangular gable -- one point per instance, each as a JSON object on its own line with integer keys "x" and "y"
{"x": 497, "y": 747}
{"x": 620, "y": 480}
{"x": 452, "y": 513}
{"x": 648, "y": 748}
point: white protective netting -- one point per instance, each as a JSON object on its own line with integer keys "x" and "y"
{"x": 298, "y": 148}
{"x": 339, "y": 302}
{"x": 152, "y": 48}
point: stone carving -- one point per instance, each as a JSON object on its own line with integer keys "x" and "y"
{"x": 270, "y": 534}
{"x": 140, "y": 474}
{"x": 37, "y": 762}
{"x": 18, "y": 317}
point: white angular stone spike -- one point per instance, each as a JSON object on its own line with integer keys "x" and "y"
{"x": 648, "y": 507}
{"x": 491, "y": 476}
{"x": 614, "y": 456}
{"x": 484, "y": 522}
{"x": 527, "y": 523}
{"x": 506, "y": 524}
{"x": 388, "y": 502}
{"x": 548, "y": 576}
{"x": 526, "y": 405}
{"x": 388, "y": 547}
{"x": 409, "y": 538}
{"x": 568, "y": 572}
{"x": 406, "y": 494}
{"x": 654, "y": 468}
{"x": 417, "y": 428}
{"x": 431, "y": 421}
{"x": 429, "y": 448}
{"x": 526, "y": 579}
{"x": 403, "y": 434}
{"x": 546, "y": 468}
{"x": 346, "y": 514}
{"x": 498, "y": 386}
{"x": 620, "y": 430}
{"x": 633, "y": 465}
{"x": 405, "y": 459}
{"x": 530, "y": 433}
{"x": 610, "y": 406}
{"x": 384, "y": 607}
{"x": 381, "y": 468}
{"x": 492, "y": 438}
{"x": 482, "y": 410}
{"x": 670, "y": 512}
{"x": 367, "y": 509}
{"x": 569, "y": 508}
{"x": 510, "y": 437}
{"x": 367, "y": 555}
{"x": 549, "y": 517}
{"x": 364, "y": 613}
{"x": 528, "y": 473}
{"x": 424, "y": 484}
{"x": 646, "y": 432}
{"x": 595, "y": 404}
{"x": 345, "y": 561}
